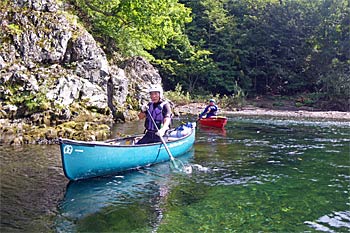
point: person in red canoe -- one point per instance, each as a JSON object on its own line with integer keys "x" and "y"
{"x": 210, "y": 110}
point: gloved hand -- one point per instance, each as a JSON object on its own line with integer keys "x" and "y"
{"x": 144, "y": 108}
{"x": 161, "y": 132}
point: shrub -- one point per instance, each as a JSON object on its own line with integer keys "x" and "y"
{"x": 178, "y": 96}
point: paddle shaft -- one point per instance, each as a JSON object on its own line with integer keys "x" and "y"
{"x": 161, "y": 137}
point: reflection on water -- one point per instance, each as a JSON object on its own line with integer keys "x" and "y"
{"x": 212, "y": 131}
{"x": 133, "y": 195}
{"x": 259, "y": 174}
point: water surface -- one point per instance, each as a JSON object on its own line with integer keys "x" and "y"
{"x": 259, "y": 174}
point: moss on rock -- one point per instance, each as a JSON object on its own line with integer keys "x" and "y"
{"x": 17, "y": 134}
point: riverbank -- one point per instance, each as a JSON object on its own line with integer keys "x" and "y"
{"x": 18, "y": 132}
{"x": 250, "y": 110}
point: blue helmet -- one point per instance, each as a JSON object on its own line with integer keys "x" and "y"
{"x": 212, "y": 100}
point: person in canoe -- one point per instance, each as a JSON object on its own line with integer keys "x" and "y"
{"x": 160, "y": 111}
{"x": 210, "y": 110}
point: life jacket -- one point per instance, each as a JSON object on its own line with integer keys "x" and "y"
{"x": 157, "y": 115}
{"x": 213, "y": 110}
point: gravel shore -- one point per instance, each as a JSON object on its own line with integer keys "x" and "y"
{"x": 196, "y": 108}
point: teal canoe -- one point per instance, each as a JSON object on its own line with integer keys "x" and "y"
{"x": 82, "y": 159}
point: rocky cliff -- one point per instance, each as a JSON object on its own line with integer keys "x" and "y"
{"x": 53, "y": 72}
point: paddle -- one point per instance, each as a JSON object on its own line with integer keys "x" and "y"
{"x": 219, "y": 117}
{"x": 178, "y": 165}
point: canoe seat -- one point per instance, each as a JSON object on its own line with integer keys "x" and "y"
{"x": 125, "y": 142}
{"x": 170, "y": 139}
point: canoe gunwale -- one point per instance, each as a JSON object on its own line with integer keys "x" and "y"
{"x": 215, "y": 121}
{"x": 108, "y": 143}
{"x": 87, "y": 159}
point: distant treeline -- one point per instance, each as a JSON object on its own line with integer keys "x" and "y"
{"x": 234, "y": 47}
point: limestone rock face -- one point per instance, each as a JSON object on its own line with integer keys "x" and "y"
{"x": 50, "y": 63}
{"x": 141, "y": 74}
{"x": 38, "y": 5}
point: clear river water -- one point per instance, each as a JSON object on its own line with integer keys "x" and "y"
{"x": 256, "y": 175}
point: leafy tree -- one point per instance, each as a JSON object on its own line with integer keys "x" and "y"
{"x": 181, "y": 59}
{"x": 134, "y": 26}
{"x": 285, "y": 47}
{"x": 213, "y": 29}
{"x": 274, "y": 46}
{"x": 329, "y": 61}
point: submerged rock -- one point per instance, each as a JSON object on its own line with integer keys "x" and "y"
{"x": 10, "y": 133}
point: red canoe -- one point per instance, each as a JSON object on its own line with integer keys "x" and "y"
{"x": 214, "y": 121}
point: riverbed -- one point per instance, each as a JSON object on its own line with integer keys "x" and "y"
{"x": 258, "y": 174}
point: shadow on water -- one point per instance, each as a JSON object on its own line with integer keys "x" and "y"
{"x": 126, "y": 202}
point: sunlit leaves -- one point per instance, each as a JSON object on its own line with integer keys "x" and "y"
{"x": 283, "y": 47}
{"x": 136, "y": 25}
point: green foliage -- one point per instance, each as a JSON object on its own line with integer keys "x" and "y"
{"x": 131, "y": 101}
{"x": 181, "y": 59}
{"x": 178, "y": 96}
{"x": 328, "y": 62}
{"x": 38, "y": 103}
{"x": 29, "y": 103}
{"x": 280, "y": 47}
{"x": 212, "y": 29}
{"x": 266, "y": 47}
{"x": 237, "y": 99}
{"x": 14, "y": 29}
{"x": 278, "y": 103}
{"x": 5, "y": 5}
{"x": 231, "y": 102}
{"x": 309, "y": 100}
{"x": 134, "y": 26}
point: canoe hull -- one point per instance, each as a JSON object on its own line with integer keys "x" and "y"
{"x": 83, "y": 160}
{"x": 217, "y": 122}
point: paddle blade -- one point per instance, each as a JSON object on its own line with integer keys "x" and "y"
{"x": 179, "y": 166}
{"x": 187, "y": 169}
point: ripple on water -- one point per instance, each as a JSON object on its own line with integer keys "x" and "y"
{"x": 327, "y": 223}
{"x": 332, "y": 151}
{"x": 32, "y": 185}
{"x": 302, "y": 122}
{"x": 249, "y": 142}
